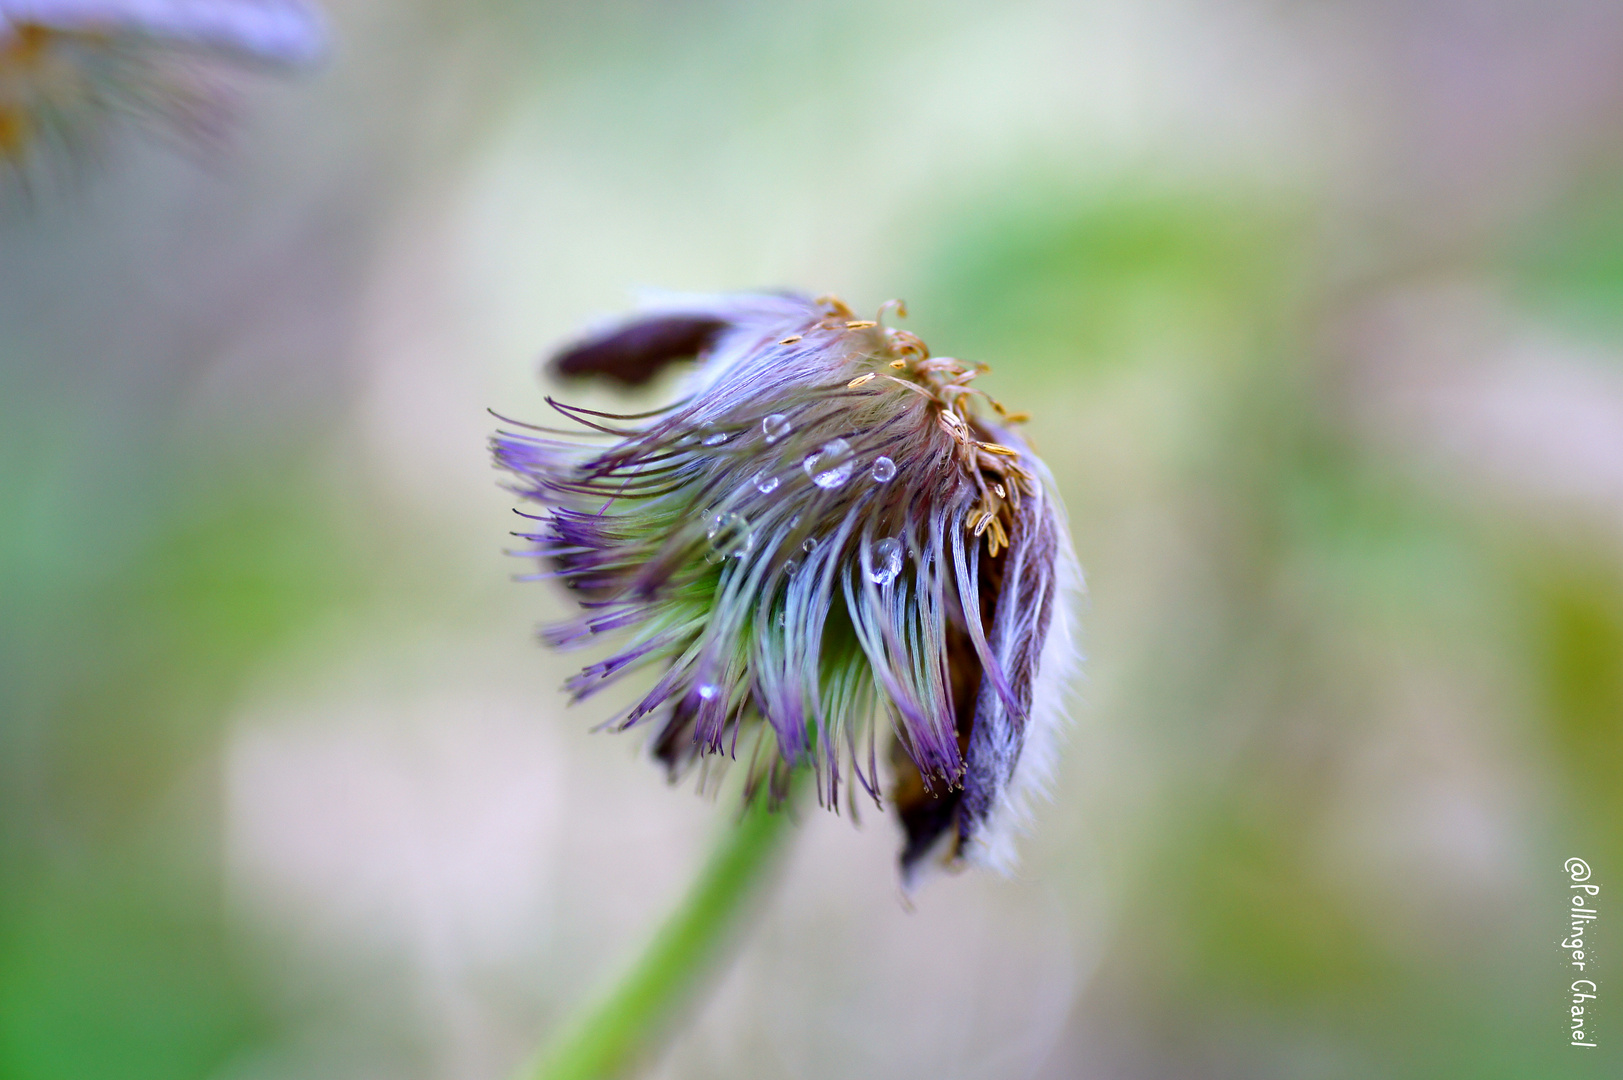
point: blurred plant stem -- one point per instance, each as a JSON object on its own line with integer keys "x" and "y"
{"x": 627, "y": 1026}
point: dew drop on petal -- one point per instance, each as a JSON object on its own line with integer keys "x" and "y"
{"x": 887, "y": 561}
{"x": 789, "y": 568}
{"x": 809, "y": 545}
{"x": 884, "y": 469}
{"x": 712, "y": 437}
{"x": 707, "y": 691}
{"x": 775, "y": 427}
{"x": 765, "y": 482}
{"x": 831, "y": 465}
{"x": 730, "y": 535}
{"x": 783, "y": 618}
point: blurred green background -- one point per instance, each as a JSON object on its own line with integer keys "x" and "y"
{"x": 1318, "y": 308}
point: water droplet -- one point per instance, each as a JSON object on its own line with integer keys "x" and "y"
{"x": 831, "y": 465}
{"x": 712, "y": 437}
{"x": 708, "y": 690}
{"x": 783, "y": 618}
{"x": 775, "y": 427}
{"x": 887, "y": 561}
{"x": 730, "y": 535}
{"x": 765, "y": 483}
{"x": 789, "y": 568}
{"x": 809, "y": 545}
{"x": 883, "y": 469}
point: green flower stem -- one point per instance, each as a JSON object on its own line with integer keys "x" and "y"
{"x": 624, "y": 1028}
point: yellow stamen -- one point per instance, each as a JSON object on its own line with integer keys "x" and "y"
{"x": 29, "y": 43}
{"x": 998, "y": 448}
{"x": 791, "y": 339}
{"x": 860, "y": 324}
{"x": 14, "y": 132}
{"x": 907, "y": 384}
{"x": 905, "y": 343}
{"x": 898, "y": 364}
{"x": 860, "y": 380}
{"x": 834, "y": 304}
{"x": 998, "y": 540}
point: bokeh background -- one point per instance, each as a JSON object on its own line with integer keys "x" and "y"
{"x": 1317, "y": 304}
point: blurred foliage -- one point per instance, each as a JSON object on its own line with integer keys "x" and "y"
{"x": 116, "y": 959}
{"x": 1568, "y": 262}
{"x": 1059, "y": 279}
{"x": 1571, "y": 616}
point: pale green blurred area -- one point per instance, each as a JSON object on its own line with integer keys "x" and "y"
{"x": 1318, "y": 309}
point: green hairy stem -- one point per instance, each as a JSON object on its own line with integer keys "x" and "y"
{"x": 627, "y": 1026}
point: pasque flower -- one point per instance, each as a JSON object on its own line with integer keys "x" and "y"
{"x": 833, "y": 537}
{"x": 67, "y": 66}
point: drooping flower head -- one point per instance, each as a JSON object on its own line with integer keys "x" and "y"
{"x": 69, "y": 66}
{"x": 831, "y": 537}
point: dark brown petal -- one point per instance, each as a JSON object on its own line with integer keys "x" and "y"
{"x": 929, "y": 813}
{"x": 674, "y": 746}
{"x": 926, "y": 816}
{"x": 636, "y": 352}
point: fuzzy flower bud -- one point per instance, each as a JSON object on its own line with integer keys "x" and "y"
{"x": 828, "y": 531}
{"x": 66, "y": 66}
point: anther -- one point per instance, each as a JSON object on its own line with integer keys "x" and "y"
{"x": 791, "y": 339}
{"x": 834, "y": 304}
{"x": 898, "y": 364}
{"x": 860, "y": 380}
{"x": 860, "y": 324}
